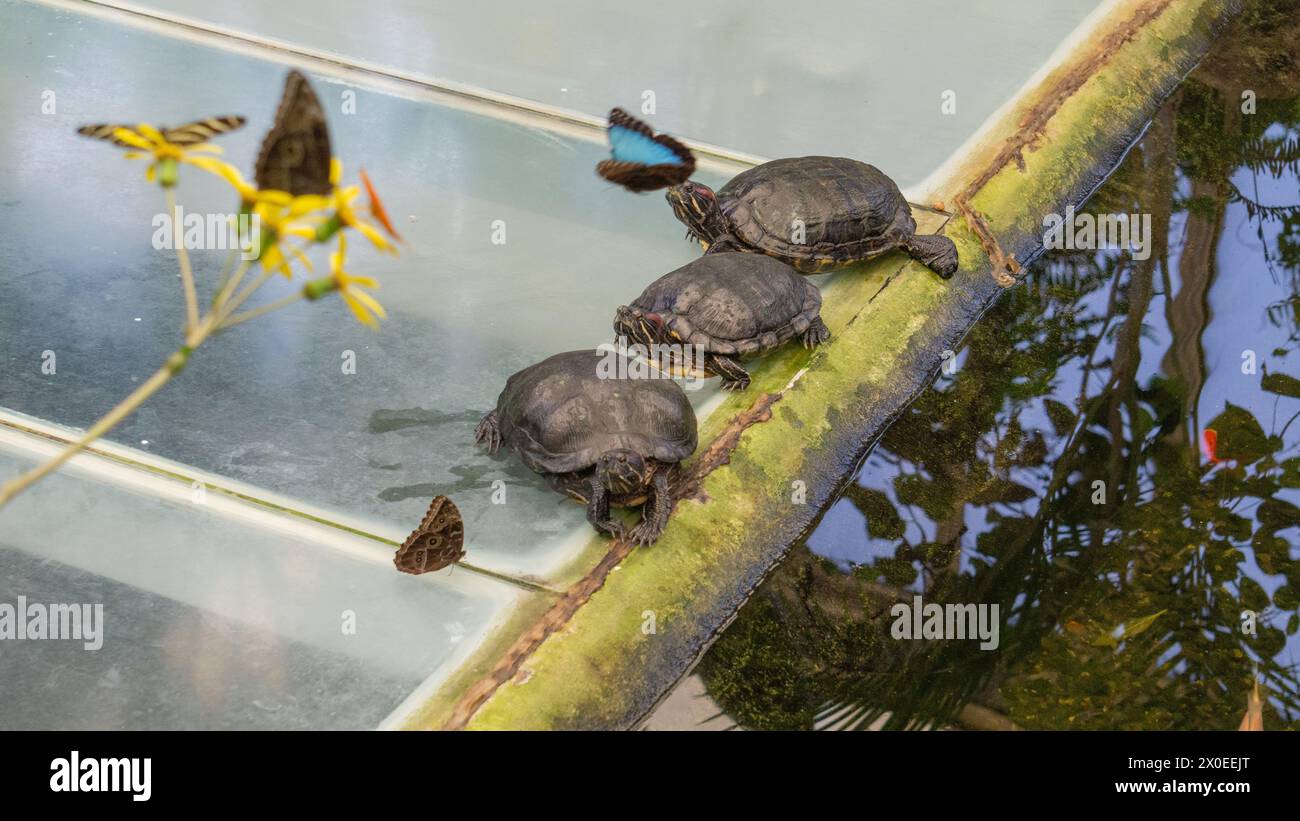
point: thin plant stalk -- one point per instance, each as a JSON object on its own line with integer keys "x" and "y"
{"x": 187, "y": 274}
{"x": 256, "y": 312}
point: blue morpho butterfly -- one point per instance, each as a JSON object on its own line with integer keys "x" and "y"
{"x": 641, "y": 159}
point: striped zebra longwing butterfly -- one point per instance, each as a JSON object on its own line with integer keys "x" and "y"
{"x": 199, "y": 131}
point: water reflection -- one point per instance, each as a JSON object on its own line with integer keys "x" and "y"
{"x": 1115, "y": 462}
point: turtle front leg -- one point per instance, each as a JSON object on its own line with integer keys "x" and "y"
{"x": 734, "y": 376}
{"x": 488, "y": 432}
{"x": 816, "y": 334}
{"x": 934, "y": 251}
{"x": 598, "y": 506}
{"x": 654, "y": 515}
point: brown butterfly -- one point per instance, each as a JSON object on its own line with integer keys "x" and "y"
{"x": 641, "y": 159}
{"x": 439, "y": 541}
{"x": 295, "y": 155}
{"x": 199, "y": 131}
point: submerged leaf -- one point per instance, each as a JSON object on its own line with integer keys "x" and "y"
{"x": 1240, "y": 437}
{"x": 1281, "y": 384}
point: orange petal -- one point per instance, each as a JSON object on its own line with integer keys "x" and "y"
{"x": 377, "y": 207}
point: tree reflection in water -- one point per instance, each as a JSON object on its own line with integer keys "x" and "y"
{"x": 1065, "y": 472}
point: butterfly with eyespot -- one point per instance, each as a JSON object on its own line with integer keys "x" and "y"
{"x": 439, "y": 541}
{"x": 199, "y": 131}
{"x": 642, "y": 160}
{"x": 295, "y": 155}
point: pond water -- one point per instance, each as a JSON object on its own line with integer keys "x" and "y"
{"x": 1112, "y": 459}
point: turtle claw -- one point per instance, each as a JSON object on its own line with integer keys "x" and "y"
{"x": 487, "y": 433}
{"x": 816, "y": 334}
{"x": 735, "y": 384}
{"x": 613, "y": 529}
{"x": 645, "y": 533}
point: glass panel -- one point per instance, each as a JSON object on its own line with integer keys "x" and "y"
{"x": 776, "y": 79}
{"x": 268, "y": 402}
{"x": 210, "y": 621}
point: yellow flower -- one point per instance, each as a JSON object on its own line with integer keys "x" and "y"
{"x": 345, "y": 215}
{"x": 279, "y": 218}
{"x": 148, "y": 142}
{"x": 363, "y": 305}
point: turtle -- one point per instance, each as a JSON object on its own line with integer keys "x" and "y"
{"x": 724, "y": 306}
{"x": 597, "y": 435}
{"x": 816, "y": 213}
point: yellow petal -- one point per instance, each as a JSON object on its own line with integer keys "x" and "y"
{"x": 364, "y": 282}
{"x": 272, "y": 258}
{"x": 274, "y": 196}
{"x": 307, "y": 203}
{"x": 132, "y": 139}
{"x": 358, "y": 311}
{"x": 336, "y": 171}
{"x": 227, "y": 172}
{"x": 306, "y": 263}
{"x": 298, "y": 230}
{"x": 150, "y": 133}
{"x": 151, "y": 172}
{"x": 370, "y": 302}
{"x": 376, "y": 238}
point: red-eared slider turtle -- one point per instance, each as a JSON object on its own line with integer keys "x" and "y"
{"x": 601, "y": 439}
{"x": 816, "y": 213}
{"x": 725, "y": 306}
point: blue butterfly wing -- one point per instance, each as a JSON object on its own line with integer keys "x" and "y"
{"x": 628, "y": 145}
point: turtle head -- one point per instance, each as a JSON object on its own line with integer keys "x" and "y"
{"x": 626, "y": 471}
{"x": 697, "y": 207}
{"x": 638, "y": 326}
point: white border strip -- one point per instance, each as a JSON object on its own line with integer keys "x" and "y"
{"x": 92, "y": 465}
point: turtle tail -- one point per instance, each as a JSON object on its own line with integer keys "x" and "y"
{"x": 935, "y": 251}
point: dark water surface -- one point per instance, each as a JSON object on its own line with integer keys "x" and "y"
{"x": 1114, "y": 462}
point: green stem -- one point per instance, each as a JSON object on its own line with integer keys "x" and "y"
{"x": 243, "y": 295}
{"x": 256, "y": 312}
{"x": 187, "y": 274}
{"x": 226, "y": 290}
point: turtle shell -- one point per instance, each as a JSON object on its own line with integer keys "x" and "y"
{"x": 734, "y": 304}
{"x": 562, "y": 413}
{"x": 850, "y": 211}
